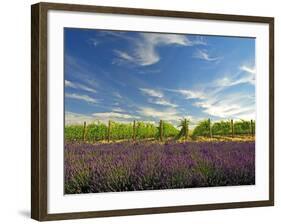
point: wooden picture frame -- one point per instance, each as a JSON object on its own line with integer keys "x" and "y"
{"x": 39, "y": 110}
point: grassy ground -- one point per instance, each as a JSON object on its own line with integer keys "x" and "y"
{"x": 236, "y": 138}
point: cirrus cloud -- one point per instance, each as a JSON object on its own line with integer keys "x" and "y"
{"x": 157, "y": 97}
{"x": 152, "y": 92}
{"x": 85, "y": 98}
{"x": 145, "y": 47}
{"x": 204, "y": 55}
{"x": 168, "y": 114}
{"x": 79, "y": 86}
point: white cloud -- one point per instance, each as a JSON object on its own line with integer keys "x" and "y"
{"x": 239, "y": 78}
{"x": 251, "y": 70}
{"x": 118, "y": 34}
{"x": 251, "y": 77}
{"x": 228, "y": 106}
{"x": 246, "y": 115}
{"x": 158, "y": 97}
{"x": 165, "y": 39}
{"x": 123, "y": 55}
{"x": 117, "y": 95}
{"x": 227, "y": 81}
{"x": 78, "y": 86}
{"x": 145, "y": 45}
{"x": 82, "y": 87}
{"x": 85, "y": 98}
{"x": 215, "y": 101}
{"x": 191, "y": 94}
{"x": 69, "y": 84}
{"x": 168, "y": 114}
{"x": 146, "y": 54}
{"x": 152, "y": 92}
{"x": 118, "y": 109}
{"x": 204, "y": 55}
{"x": 209, "y": 90}
{"x": 76, "y": 118}
{"x": 163, "y": 102}
{"x": 116, "y": 116}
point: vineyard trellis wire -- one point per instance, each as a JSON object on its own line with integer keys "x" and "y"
{"x": 139, "y": 130}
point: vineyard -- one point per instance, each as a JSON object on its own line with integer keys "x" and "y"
{"x": 147, "y": 156}
{"x": 138, "y": 130}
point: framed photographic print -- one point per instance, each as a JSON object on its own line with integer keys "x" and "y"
{"x": 139, "y": 111}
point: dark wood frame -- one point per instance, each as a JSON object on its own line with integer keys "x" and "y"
{"x": 39, "y": 110}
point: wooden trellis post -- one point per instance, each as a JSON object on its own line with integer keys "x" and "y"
{"x": 232, "y": 128}
{"x": 84, "y": 131}
{"x": 252, "y": 128}
{"x": 210, "y": 125}
{"x": 108, "y": 131}
{"x": 161, "y": 130}
{"x": 186, "y": 127}
{"x": 134, "y": 130}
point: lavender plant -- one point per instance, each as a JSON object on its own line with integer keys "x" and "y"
{"x": 134, "y": 166}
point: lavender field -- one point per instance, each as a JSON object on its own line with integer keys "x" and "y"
{"x": 134, "y": 166}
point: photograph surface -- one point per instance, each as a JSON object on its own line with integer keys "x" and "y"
{"x": 156, "y": 111}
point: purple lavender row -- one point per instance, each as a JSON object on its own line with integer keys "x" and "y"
{"x": 129, "y": 166}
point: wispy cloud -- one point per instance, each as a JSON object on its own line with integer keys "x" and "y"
{"x": 204, "y": 55}
{"x": 168, "y": 114}
{"x": 152, "y": 92}
{"x": 157, "y": 97}
{"x": 163, "y": 102}
{"x": 76, "y": 118}
{"x": 251, "y": 70}
{"x": 246, "y": 76}
{"x": 228, "y": 81}
{"x": 85, "y": 98}
{"x": 228, "y": 106}
{"x": 214, "y": 100}
{"x": 113, "y": 115}
{"x": 124, "y": 55}
{"x": 119, "y": 34}
{"x": 80, "y": 70}
{"x": 118, "y": 109}
{"x": 223, "y": 105}
{"x": 79, "y": 86}
{"x": 117, "y": 95}
{"x": 189, "y": 94}
{"x": 145, "y": 44}
{"x": 69, "y": 84}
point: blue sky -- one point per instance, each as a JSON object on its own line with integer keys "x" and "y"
{"x": 125, "y": 76}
